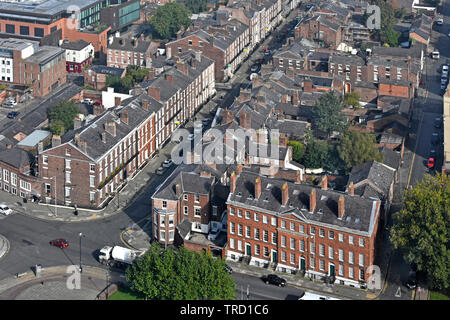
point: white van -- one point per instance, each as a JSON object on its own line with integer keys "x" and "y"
{"x": 313, "y": 296}
{"x": 435, "y": 55}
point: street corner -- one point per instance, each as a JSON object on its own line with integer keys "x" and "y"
{"x": 4, "y": 246}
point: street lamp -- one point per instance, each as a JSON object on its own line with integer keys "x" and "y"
{"x": 80, "y": 235}
{"x": 56, "y": 208}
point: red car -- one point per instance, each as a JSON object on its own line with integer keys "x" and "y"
{"x": 60, "y": 243}
{"x": 430, "y": 163}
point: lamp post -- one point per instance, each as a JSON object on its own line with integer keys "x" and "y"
{"x": 56, "y": 208}
{"x": 80, "y": 235}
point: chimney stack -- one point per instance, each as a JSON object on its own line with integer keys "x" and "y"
{"x": 178, "y": 189}
{"x": 117, "y": 101}
{"x": 83, "y": 146}
{"x": 232, "y": 182}
{"x": 103, "y": 134}
{"x": 284, "y": 194}
{"x": 324, "y": 183}
{"x": 198, "y": 56}
{"x": 341, "y": 207}
{"x": 205, "y": 174}
{"x": 168, "y": 77}
{"x": 239, "y": 169}
{"x": 76, "y": 123}
{"x": 312, "y": 200}
{"x": 257, "y": 188}
{"x": 154, "y": 93}
{"x": 110, "y": 127}
{"x": 98, "y": 110}
{"x": 77, "y": 139}
{"x": 351, "y": 189}
{"x": 56, "y": 140}
{"x": 124, "y": 116}
{"x": 144, "y": 105}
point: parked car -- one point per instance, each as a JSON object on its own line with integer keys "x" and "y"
{"x": 13, "y": 114}
{"x": 160, "y": 171}
{"x": 443, "y": 86}
{"x": 430, "y": 163}
{"x": 8, "y": 104}
{"x": 445, "y": 68}
{"x": 167, "y": 163}
{"x": 440, "y": 22}
{"x": 4, "y": 209}
{"x": 213, "y": 234}
{"x": 437, "y": 122}
{"x": 88, "y": 101}
{"x": 411, "y": 282}
{"x": 191, "y": 137}
{"x": 205, "y": 122}
{"x": 432, "y": 153}
{"x": 435, "y": 138}
{"x": 228, "y": 269}
{"x": 255, "y": 68}
{"x": 274, "y": 279}
{"x": 60, "y": 243}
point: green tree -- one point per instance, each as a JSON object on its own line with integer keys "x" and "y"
{"x": 327, "y": 114}
{"x": 62, "y": 114}
{"x": 352, "y": 99}
{"x": 196, "y": 6}
{"x": 356, "y": 148}
{"x": 180, "y": 275}
{"x": 391, "y": 36}
{"x": 297, "y": 150}
{"x": 421, "y": 230}
{"x": 57, "y": 127}
{"x": 168, "y": 19}
{"x": 316, "y": 154}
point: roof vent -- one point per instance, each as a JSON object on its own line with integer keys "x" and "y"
{"x": 266, "y": 199}
{"x": 357, "y": 220}
{"x": 269, "y": 185}
{"x": 239, "y": 194}
{"x": 296, "y": 192}
{"x": 250, "y": 197}
{"x": 320, "y": 211}
{"x": 348, "y": 219}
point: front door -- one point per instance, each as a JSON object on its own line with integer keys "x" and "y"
{"x": 274, "y": 256}
{"x": 248, "y": 250}
{"x": 332, "y": 271}
{"x": 302, "y": 263}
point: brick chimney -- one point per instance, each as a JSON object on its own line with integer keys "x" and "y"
{"x": 117, "y": 101}
{"x": 245, "y": 119}
{"x": 351, "y": 189}
{"x": 144, "y": 104}
{"x": 83, "y": 146}
{"x": 151, "y": 73}
{"x": 181, "y": 66}
{"x": 341, "y": 207}
{"x": 284, "y": 194}
{"x": 56, "y": 140}
{"x": 168, "y": 77}
{"x": 124, "y": 116}
{"x": 257, "y": 188}
{"x": 103, "y": 134}
{"x": 312, "y": 200}
{"x": 98, "y": 110}
{"x": 239, "y": 169}
{"x": 198, "y": 56}
{"x": 227, "y": 116}
{"x": 76, "y": 138}
{"x": 110, "y": 127}
{"x": 298, "y": 176}
{"x": 232, "y": 182}
{"x": 244, "y": 95}
{"x": 155, "y": 93}
{"x": 178, "y": 189}
{"x": 76, "y": 123}
{"x": 283, "y": 140}
{"x": 295, "y": 99}
{"x": 307, "y": 85}
{"x": 324, "y": 182}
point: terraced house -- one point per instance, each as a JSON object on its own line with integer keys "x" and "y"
{"x": 294, "y": 227}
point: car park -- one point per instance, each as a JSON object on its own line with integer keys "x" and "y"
{"x": 60, "y": 243}
{"x": 4, "y": 209}
{"x": 13, "y": 114}
{"x": 167, "y": 163}
{"x": 274, "y": 279}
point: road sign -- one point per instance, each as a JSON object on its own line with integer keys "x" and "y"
{"x": 398, "y": 294}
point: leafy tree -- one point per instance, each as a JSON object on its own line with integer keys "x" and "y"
{"x": 62, "y": 115}
{"x": 134, "y": 75}
{"x": 391, "y": 36}
{"x": 356, "y": 148}
{"x": 182, "y": 275}
{"x": 352, "y": 99}
{"x": 57, "y": 127}
{"x": 389, "y": 17}
{"x": 168, "y": 19}
{"x": 316, "y": 154}
{"x": 297, "y": 150}
{"x": 421, "y": 230}
{"x": 327, "y": 114}
{"x": 196, "y": 6}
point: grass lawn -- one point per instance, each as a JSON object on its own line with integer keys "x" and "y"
{"x": 438, "y": 296}
{"x": 124, "y": 294}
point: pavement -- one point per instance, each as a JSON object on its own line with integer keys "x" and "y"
{"x": 52, "y": 284}
{"x": 4, "y": 246}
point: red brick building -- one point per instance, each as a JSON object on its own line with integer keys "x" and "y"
{"x": 297, "y": 227}
{"x": 96, "y": 75}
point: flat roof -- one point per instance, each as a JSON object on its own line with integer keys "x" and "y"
{"x": 44, "y": 7}
{"x": 34, "y": 138}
